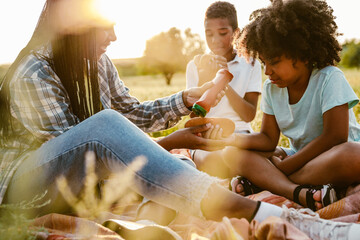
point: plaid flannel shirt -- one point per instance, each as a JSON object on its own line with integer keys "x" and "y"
{"x": 40, "y": 106}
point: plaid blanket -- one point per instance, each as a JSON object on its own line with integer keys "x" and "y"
{"x": 56, "y": 226}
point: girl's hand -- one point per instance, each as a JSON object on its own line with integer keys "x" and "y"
{"x": 276, "y": 161}
{"x": 280, "y": 153}
{"x": 215, "y": 132}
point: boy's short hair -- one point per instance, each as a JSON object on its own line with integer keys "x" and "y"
{"x": 221, "y": 9}
{"x": 299, "y": 29}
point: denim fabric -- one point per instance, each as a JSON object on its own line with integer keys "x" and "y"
{"x": 116, "y": 142}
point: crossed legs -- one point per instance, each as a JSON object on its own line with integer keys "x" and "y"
{"x": 339, "y": 166}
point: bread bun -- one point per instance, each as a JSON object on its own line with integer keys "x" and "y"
{"x": 226, "y": 124}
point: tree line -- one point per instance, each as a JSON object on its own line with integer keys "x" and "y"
{"x": 169, "y": 52}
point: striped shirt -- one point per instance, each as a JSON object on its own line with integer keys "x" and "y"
{"x": 40, "y": 106}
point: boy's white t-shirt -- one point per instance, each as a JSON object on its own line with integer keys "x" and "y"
{"x": 302, "y": 122}
{"x": 247, "y": 78}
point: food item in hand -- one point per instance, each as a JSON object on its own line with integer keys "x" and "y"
{"x": 208, "y": 99}
{"x": 226, "y": 124}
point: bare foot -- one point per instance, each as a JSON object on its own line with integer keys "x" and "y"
{"x": 237, "y": 187}
{"x": 316, "y": 197}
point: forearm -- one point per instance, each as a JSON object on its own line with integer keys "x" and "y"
{"x": 165, "y": 143}
{"x": 255, "y": 141}
{"x": 151, "y": 116}
{"x": 316, "y": 147}
{"x": 243, "y": 108}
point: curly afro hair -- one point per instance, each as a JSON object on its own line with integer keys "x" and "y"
{"x": 222, "y": 9}
{"x": 299, "y": 29}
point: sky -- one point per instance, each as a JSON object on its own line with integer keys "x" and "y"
{"x": 139, "y": 20}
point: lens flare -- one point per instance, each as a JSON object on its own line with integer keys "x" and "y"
{"x": 108, "y": 9}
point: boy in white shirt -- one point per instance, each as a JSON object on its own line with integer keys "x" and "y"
{"x": 240, "y": 102}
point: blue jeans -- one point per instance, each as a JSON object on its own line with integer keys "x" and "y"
{"x": 116, "y": 142}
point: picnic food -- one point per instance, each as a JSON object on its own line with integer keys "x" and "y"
{"x": 226, "y": 124}
{"x": 207, "y": 100}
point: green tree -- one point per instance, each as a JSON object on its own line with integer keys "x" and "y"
{"x": 169, "y": 52}
{"x": 350, "y": 56}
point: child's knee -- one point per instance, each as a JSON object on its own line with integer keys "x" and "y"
{"x": 234, "y": 156}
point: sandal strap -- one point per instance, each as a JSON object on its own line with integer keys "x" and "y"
{"x": 249, "y": 188}
{"x": 329, "y": 196}
{"x": 296, "y": 192}
{"x": 310, "y": 202}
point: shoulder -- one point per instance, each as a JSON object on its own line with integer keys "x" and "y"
{"x": 328, "y": 72}
{"x": 107, "y": 68}
{"x": 106, "y": 62}
{"x": 34, "y": 67}
{"x": 191, "y": 65}
{"x": 267, "y": 85}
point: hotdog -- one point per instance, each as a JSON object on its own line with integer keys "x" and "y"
{"x": 226, "y": 124}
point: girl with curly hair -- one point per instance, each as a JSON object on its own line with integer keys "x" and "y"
{"x": 307, "y": 99}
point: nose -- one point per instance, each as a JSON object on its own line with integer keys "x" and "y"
{"x": 215, "y": 39}
{"x": 268, "y": 70}
{"x": 112, "y": 36}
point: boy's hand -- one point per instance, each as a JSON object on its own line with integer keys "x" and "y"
{"x": 208, "y": 65}
{"x": 210, "y": 62}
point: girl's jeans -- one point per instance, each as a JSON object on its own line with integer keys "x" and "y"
{"x": 116, "y": 142}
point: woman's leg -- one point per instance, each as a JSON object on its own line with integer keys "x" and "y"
{"x": 116, "y": 142}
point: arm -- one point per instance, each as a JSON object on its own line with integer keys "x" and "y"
{"x": 149, "y": 116}
{"x": 244, "y": 107}
{"x": 335, "y": 131}
{"x": 154, "y": 115}
{"x": 266, "y": 140}
{"x": 191, "y": 138}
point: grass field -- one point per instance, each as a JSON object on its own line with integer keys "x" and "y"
{"x": 152, "y": 87}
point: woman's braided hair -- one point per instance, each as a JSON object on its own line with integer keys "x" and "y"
{"x": 299, "y": 29}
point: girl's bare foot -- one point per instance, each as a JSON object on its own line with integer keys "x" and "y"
{"x": 243, "y": 186}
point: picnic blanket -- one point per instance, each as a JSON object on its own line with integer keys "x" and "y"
{"x": 57, "y": 226}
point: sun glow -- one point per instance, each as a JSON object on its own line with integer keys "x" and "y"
{"x": 107, "y": 9}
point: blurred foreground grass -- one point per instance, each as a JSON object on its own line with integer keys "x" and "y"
{"x": 152, "y": 87}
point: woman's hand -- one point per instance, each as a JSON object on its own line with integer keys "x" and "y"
{"x": 191, "y": 95}
{"x": 191, "y": 138}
